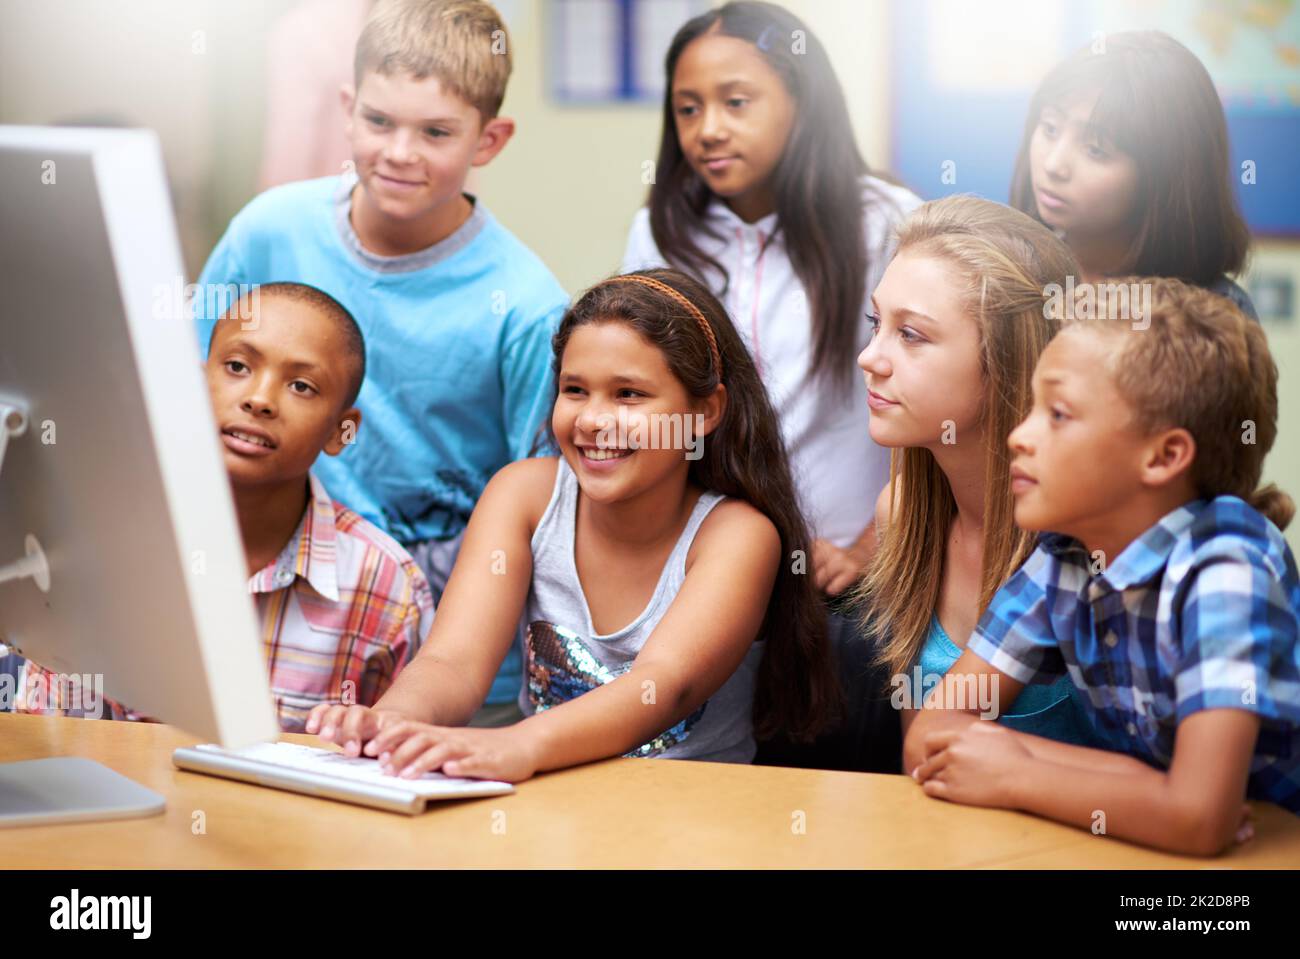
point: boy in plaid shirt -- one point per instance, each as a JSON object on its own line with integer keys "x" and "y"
{"x": 341, "y": 605}
{"x": 1165, "y": 590}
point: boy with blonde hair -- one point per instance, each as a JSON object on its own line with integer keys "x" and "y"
{"x": 457, "y": 313}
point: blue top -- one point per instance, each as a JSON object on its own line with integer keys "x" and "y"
{"x": 458, "y": 351}
{"x": 1202, "y": 611}
{"x": 1053, "y": 712}
{"x": 458, "y": 354}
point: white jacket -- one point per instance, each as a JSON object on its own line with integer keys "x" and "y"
{"x": 838, "y": 469}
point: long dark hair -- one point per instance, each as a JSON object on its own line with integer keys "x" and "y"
{"x": 817, "y": 182}
{"x": 1158, "y": 104}
{"x": 744, "y": 457}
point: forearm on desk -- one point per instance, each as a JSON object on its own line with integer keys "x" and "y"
{"x": 1189, "y": 810}
{"x": 1082, "y": 757}
{"x": 1137, "y": 804}
{"x": 1048, "y": 750}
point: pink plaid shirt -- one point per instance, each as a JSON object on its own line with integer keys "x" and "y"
{"x": 342, "y": 608}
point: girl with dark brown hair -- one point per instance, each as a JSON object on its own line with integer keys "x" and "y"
{"x": 1125, "y": 156}
{"x": 760, "y": 192}
{"x": 659, "y": 562}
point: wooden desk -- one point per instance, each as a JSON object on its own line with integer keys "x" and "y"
{"x": 621, "y": 813}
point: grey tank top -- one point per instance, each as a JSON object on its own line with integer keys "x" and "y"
{"x": 564, "y": 657}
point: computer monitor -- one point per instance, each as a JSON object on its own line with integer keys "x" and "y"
{"x": 118, "y": 537}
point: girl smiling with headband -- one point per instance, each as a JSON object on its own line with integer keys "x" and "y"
{"x": 663, "y": 584}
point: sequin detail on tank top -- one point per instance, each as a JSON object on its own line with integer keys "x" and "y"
{"x": 561, "y": 667}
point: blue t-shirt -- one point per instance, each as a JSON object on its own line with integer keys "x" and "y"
{"x": 458, "y": 353}
{"x": 1052, "y": 711}
{"x": 458, "y": 350}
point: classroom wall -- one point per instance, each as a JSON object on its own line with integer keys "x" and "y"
{"x": 568, "y": 184}
{"x": 566, "y": 156}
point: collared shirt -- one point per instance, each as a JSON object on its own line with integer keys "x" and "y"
{"x": 458, "y": 349}
{"x": 838, "y": 469}
{"x": 1202, "y": 611}
{"x": 342, "y": 609}
{"x": 458, "y": 354}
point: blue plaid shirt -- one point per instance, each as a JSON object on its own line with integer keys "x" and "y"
{"x": 1202, "y": 611}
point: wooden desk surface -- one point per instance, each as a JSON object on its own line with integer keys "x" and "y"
{"x": 620, "y": 813}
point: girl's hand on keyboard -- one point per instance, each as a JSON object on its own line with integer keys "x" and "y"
{"x": 350, "y": 726}
{"x": 410, "y": 749}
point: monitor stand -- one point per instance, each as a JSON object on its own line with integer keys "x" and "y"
{"x": 65, "y": 788}
{"x": 34, "y": 792}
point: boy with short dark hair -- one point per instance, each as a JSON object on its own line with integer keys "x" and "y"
{"x": 1165, "y": 590}
{"x": 341, "y": 605}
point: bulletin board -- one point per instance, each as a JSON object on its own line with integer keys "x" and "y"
{"x": 962, "y": 77}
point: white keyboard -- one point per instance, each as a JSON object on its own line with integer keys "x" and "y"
{"x": 323, "y": 772}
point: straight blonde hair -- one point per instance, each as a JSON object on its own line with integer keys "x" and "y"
{"x": 463, "y": 43}
{"x": 1006, "y": 264}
